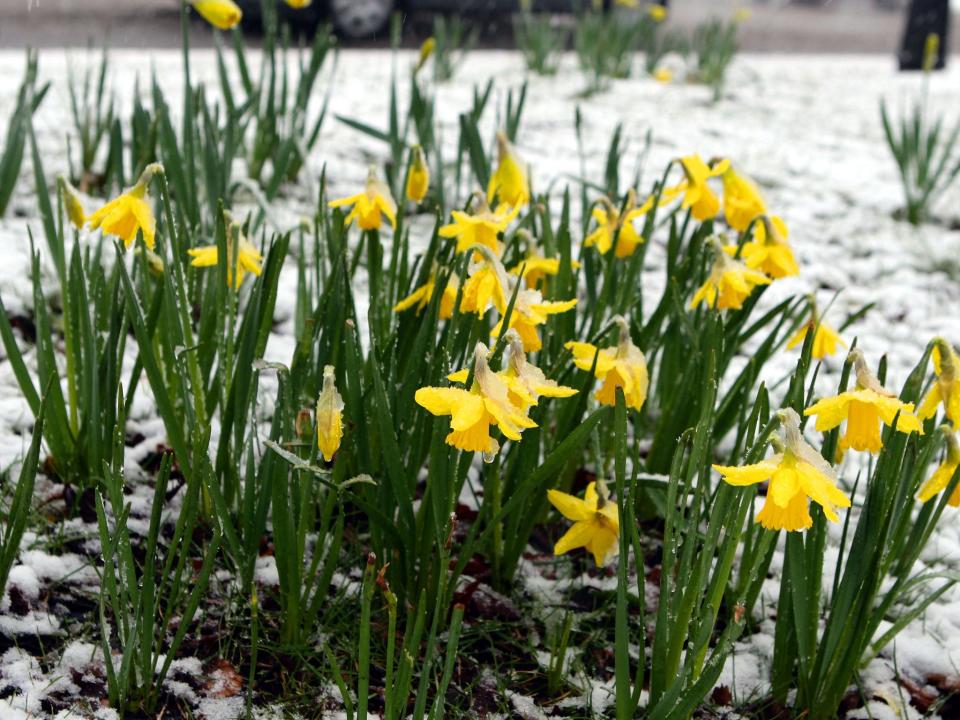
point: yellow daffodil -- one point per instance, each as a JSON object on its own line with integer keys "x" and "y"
{"x": 487, "y": 284}
{"x": 730, "y": 281}
{"x": 623, "y": 365}
{"x": 223, "y": 14}
{"x": 614, "y": 223}
{"x": 536, "y": 267}
{"x": 944, "y": 473}
{"x": 370, "y": 204}
{"x": 657, "y": 13}
{"x": 481, "y": 227}
{"x": 129, "y": 212}
{"x": 329, "y": 415}
{"x": 422, "y": 295}
{"x": 525, "y": 381}
{"x": 797, "y": 474}
{"x": 742, "y": 14}
{"x": 298, "y": 4}
{"x": 769, "y": 251}
{"x": 473, "y": 411}
{"x": 946, "y": 390}
{"x": 72, "y": 203}
{"x": 418, "y": 176}
{"x": 663, "y": 75}
{"x": 247, "y": 259}
{"x": 510, "y": 182}
{"x": 596, "y": 522}
{"x": 741, "y": 200}
{"x": 530, "y": 310}
{"x": 698, "y": 197}
{"x": 864, "y": 409}
{"x": 825, "y": 341}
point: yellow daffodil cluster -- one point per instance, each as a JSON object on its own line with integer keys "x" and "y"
{"x": 797, "y": 474}
{"x": 494, "y": 398}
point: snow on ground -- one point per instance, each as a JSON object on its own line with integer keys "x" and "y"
{"x": 806, "y": 128}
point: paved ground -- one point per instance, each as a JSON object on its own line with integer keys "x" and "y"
{"x": 842, "y": 26}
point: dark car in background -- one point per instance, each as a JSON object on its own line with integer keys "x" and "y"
{"x": 367, "y": 18}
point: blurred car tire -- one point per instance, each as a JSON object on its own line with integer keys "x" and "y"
{"x": 360, "y": 18}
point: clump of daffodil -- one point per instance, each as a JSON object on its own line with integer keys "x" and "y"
{"x": 510, "y": 181}
{"x": 369, "y": 205}
{"x": 418, "y": 176}
{"x": 698, "y": 196}
{"x": 329, "y": 415}
{"x": 129, "y": 212}
{"x": 797, "y": 474}
{"x": 657, "y": 12}
{"x": 421, "y": 297}
{"x": 944, "y": 473}
{"x": 741, "y": 200}
{"x": 525, "y": 381}
{"x": 481, "y": 227}
{"x": 72, "y": 203}
{"x": 622, "y": 365}
{"x": 769, "y": 250}
{"x": 825, "y": 339}
{"x": 223, "y": 14}
{"x": 730, "y": 281}
{"x": 473, "y": 411}
{"x": 864, "y": 408}
{"x": 596, "y": 522}
{"x": 614, "y": 223}
{"x": 242, "y": 255}
{"x": 946, "y": 390}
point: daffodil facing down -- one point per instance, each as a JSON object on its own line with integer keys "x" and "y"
{"x": 418, "y": 176}
{"x": 129, "y": 212}
{"x": 422, "y": 296}
{"x": 72, "y": 203}
{"x": 486, "y": 285}
{"x": 730, "y": 281}
{"x": 510, "y": 182}
{"x": 864, "y": 408}
{"x": 369, "y": 205}
{"x": 329, "y": 415}
{"x": 481, "y": 227}
{"x": 473, "y": 411}
{"x": 530, "y": 310}
{"x": 797, "y": 474}
{"x": 623, "y": 365}
{"x": 614, "y": 223}
{"x": 596, "y": 522}
{"x": 825, "y": 339}
{"x": 741, "y": 200}
{"x": 242, "y": 255}
{"x": 944, "y": 473}
{"x": 769, "y": 250}
{"x": 223, "y": 14}
{"x": 698, "y": 196}
{"x": 946, "y": 390}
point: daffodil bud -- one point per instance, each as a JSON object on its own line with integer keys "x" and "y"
{"x": 426, "y": 50}
{"x": 657, "y": 13}
{"x": 329, "y": 415}
{"x": 154, "y": 263}
{"x": 418, "y": 176}
{"x": 931, "y": 52}
{"x": 223, "y": 14}
{"x": 72, "y": 203}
